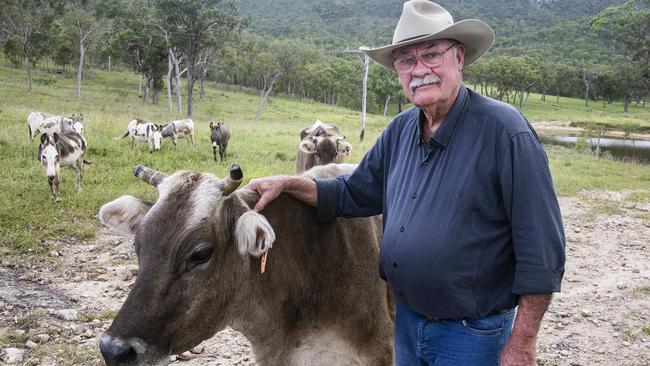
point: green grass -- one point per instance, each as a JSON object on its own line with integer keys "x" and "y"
{"x": 28, "y": 215}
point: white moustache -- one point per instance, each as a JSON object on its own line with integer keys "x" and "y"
{"x": 427, "y": 80}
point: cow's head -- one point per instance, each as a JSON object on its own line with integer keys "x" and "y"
{"x": 326, "y": 148}
{"x": 193, "y": 245}
{"x": 48, "y": 154}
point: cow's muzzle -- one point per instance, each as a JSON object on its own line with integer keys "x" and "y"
{"x": 117, "y": 351}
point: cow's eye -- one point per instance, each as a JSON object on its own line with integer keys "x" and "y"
{"x": 199, "y": 256}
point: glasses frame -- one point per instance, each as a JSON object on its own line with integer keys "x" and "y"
{"x": 420, "y": 58}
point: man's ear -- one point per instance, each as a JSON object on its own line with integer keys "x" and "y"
{"x": 124, "y": 214}
{"x": 253, "y": 233}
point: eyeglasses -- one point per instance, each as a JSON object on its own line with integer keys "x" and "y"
{"x": 405, "y": 65}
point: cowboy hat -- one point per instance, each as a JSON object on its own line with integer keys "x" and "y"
{"x": 423, "y": 20}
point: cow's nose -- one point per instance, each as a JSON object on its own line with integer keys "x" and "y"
{"x": 117, "y": 351}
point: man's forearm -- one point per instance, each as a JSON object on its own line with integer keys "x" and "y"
{"x": 520, "y": 349}
{"x": 303, "y": 189}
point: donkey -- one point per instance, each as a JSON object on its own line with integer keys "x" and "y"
{"x": 182, "y": 128}
{"x": 67, "y": 148}
{"x": 140, "y": 130}
{"x": 78, "y": 124}
{"x": 219, "y": 134}
{"x": 45, "y": 123}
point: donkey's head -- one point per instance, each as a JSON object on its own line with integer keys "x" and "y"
{"x": 48, "y": 154}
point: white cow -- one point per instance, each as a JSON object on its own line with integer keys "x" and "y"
{"x": 182, "y": 128}
{"x": 40, "y": 122}
{"x": 140, "y": 130}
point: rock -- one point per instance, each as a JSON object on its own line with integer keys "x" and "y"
{"x": 172, "y": 358}
{"x": 621, "y": 285}
{"x": 31, "y": 345}
{"x": 67, "y": 314}
{"x": 585, "y": 313}
{"x": 43, "y": 337}
{"x": 564, "y": 352}
{"x": 20, "y": 332}
{"x": 636, "y": 270}
{"x": 198, "y": 349}
{"x": 13, "y": 356}
{"x": 187, "y": 355}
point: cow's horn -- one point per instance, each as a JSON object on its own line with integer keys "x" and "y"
{"x": 233, "y": 180}
{"x": 149, "y": 175}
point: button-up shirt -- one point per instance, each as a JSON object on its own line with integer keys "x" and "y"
{"x": 470, "y": 218}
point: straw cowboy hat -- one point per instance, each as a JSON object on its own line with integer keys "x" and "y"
{"x": 423, "y": 20}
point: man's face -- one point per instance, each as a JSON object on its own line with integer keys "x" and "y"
{"x": 427, "y": 86}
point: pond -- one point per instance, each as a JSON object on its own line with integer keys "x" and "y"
{"x": 620, "y": 149}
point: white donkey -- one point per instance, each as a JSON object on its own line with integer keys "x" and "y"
{"x": 67, "y": 148}
{"x": 181, "y": 128}
{"x": 140, "y": 130}
{"x": 40, "y": 122}
{"x": 78, "y": 124}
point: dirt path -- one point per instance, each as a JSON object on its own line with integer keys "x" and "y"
{"x": 54, "y": 310}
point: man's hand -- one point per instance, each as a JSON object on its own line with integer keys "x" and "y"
{"x": 520, "y": 349}
{"x": 269, "y": 188}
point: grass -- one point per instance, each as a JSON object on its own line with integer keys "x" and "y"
{"x": 29, "y": 217}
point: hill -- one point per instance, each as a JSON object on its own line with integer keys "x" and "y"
{"x": 557, "y": 29}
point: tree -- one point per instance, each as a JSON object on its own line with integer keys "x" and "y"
{"x": 196, "y": 26}
{"x": 85, "y": 27}
{"x": 22, "y": 20}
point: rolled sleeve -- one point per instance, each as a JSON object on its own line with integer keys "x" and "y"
{"x": 326, "y": 199}
{"x": 534, "y": 213}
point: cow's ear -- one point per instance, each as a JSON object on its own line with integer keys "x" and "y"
{"x": 124, "y": 214}
{"x": 307, "y": 146}
{"x": 344, "y": 148}
{"x": 253, "y": 233}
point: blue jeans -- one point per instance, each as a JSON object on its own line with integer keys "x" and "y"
{"x": 462, "y": 342}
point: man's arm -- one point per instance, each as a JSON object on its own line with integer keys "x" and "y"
{"x": 520, "y": 349}
{"x": 269, "y": 188}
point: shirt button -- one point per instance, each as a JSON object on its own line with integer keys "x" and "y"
{"x": 426, "y": 162}
{"x": 394, "y": 264}
{"x": 414, "y": 195}
{"x": 401, "y": 229}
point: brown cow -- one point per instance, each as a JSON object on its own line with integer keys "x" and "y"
{"x": 321, "y": 144}
{"x": 320, "y": 301}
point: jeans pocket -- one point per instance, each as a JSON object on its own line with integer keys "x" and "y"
{"x": 488, "y": 326}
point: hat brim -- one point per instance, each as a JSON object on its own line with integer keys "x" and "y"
{"x": 476, "y": 36}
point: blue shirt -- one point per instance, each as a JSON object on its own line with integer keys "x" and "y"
{"x": 471, "y": 220}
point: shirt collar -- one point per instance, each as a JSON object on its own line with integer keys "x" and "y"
{"x": 441, "y": 137}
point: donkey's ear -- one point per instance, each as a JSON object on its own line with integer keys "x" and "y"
{"x": 56, "y": 137}
{"x": 124, "y": 214}
{"x": 43, "y": 138}
{"x": 211, "y": 124}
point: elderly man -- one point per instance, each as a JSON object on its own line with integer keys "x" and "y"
{"x": 473, "y": 237}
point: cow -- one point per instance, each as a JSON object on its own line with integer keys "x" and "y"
{"x": 40, "y": 122}
{"x": 219, "y": 135}
{"x": 319, "y": 128}
{"x": 67, "y": 148}
{"x": 183, "y": 128}
{"x": 319, "y": 302}
{"x": 322, "y": 144}
{"x": 140, "y": 130}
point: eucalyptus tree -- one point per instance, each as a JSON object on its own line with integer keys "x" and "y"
{"x": 383, "y": 85}
{"x": 21, "y": 21}
{"x": 195, "y": 26}
{"x": 86, "y": 26}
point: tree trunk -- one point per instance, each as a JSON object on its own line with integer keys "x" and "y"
{"x": 587, "y": 83}
{"x": 109, "y": 63}
{"x": 147, "y": 87}
{"x": 386, "y": 104}
{"x": 82, "y": 51}
{"x": 178, "y": 83}
{"x": 169, "y": 80}
{"x": 140, "y": 86}
{"x": 366, "y": 62}
{"x": 190, "y": 88}
{"x": 557, "y": 99}
{"x": 204, "y": 74}
{"x": 521, "y": 100}
{"x": 266, "y": 94}
{"x": 28, "y": 66}
{"x": 154, "y": 96}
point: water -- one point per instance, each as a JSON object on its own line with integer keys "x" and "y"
{"x": 620, "y": 149}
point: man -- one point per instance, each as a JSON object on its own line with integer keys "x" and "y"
{"x": 472, "y": 226}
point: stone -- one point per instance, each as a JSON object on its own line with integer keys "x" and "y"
{"x": 67, "y": 314}
{"x": 198, "y": 349}
{"x": 31, "y": 345}
{"x": 13, "y": 356}
{"x": 187, "y": 355}
{"x": 43, "y": 337}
